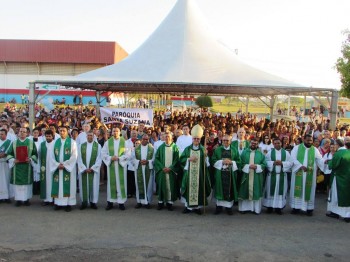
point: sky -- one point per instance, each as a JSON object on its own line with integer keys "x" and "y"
{"x": 299, "y": 40}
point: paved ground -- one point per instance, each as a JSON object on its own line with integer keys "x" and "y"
{"x": 38, "y": 233}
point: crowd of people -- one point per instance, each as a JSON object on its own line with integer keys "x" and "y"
{"x": 235, "y": 159}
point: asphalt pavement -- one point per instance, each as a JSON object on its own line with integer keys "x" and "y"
{"x": 38, "y": 233}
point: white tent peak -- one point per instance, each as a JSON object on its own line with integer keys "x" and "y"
{"x": 182, "y": 50}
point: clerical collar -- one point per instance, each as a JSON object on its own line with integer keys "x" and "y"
{"x": 195, "y": 147}
{"x": 22, "y": 140}
{"x": 227, "y": 148}
{"x": 167, "y": 144}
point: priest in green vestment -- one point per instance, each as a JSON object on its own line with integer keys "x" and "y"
{"x": 89, "y": 163}
{"x": 116, "y": 155}
{"x": 166, "y": 165}
{"x": 251, "y": 187}
{"x": 195, "y": 186}
{"x": 306, "y": 158}
{"x": 45, "y": 152}
{"x": 63, "y": 166}
{"x": 22, "y": 171}
{"x": 226, "y": 161}
{"x": 4, "y": 167}
{"x": 278, "y": 164}
{"x": 339, "y": 194}
{"x": 143, "y": 166}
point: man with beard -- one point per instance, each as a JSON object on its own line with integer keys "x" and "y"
{"x": 251, "y": 186}
{"x": 166, "y": 169}
{"x": 142, "y": 161}
{"x": 276, "y": 186}
{"x": 339, "y": 195}
{"x": 45, "y": 151}
{"x": 195, "y": 186}
{"x": 225, "y": 161}
{"x": 20, "y": 155}
{"x": 306, "y": 158}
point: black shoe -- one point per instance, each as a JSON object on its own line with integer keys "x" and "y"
{"x": 309, "y": 213}
{"x": 198, "y": 211}
{"x": 229, "y": 211}
{"x": 109, "y": 206}
{"x": 160, "y": 206}
{"x": 83, "y": 206}
{"x": 295, "y": 211}
{"x": 186, "y": 211}
{"x": 333, "y": 215}
{"x": 121, "y": 207}
{"x": 278, "y": 211}
{"x": 139, "y": 205}
{"x": 243, "y": 212}
{"x": 93, "y": 205}
{"x": 269, "y": 210}
{"x": 148, "y": 206}
{"x": 18, "y": 203}
{"x": 56, "y": 208}
{"x": 26, "y": 203}
{"x": 170, "y": 206}
{"x": 8, "y": 201}
{"x": 347, "y": 219}
{"x": 68, "y": 208}
{"x": 45, "y": 203}
{"x": 217, "y": 210}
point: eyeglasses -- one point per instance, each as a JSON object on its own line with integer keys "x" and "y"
{"x": 225, "y": 140}
{"x": 196, "y": 138}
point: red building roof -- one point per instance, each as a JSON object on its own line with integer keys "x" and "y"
{"x": 47, "y": 51}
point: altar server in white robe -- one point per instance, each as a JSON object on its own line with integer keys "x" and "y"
{"x": 89, "y": 163}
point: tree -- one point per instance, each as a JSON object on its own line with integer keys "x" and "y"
{"x": 343, "y": 66}
{"x": 204, "y": 101}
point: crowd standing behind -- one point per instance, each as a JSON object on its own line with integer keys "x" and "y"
{"x": 245, "y": 160}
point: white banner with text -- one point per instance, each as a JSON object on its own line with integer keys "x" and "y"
{"x": 128, "y": 116}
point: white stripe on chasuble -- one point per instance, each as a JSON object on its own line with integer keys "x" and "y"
{"x": 168, "y": 162}
{"x": 194, "y": 178}
{"x": 251, "y": 175}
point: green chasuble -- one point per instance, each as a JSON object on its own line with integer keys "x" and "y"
{"x": 167, "y": 188}
{"x": 195, "y": 186}
{"x": 88, "y": 177}
{"x": 140, "y": 182}
{"x": 112, "y": 175}
{"x": 256, "y": 180}
{"x": 298, "y": 187}
{"x": 22, "y": 173}
{"x": 67, "y": 152}
{"x": 225, "y": 187}
{"x": 340, "y": 165}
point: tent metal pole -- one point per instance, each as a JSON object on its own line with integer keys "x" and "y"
{"x": 31, "y": 103}
{"x": 98, "y": 101}
{"x": 334, "y": 109}
{"x": 247, "y": 105}
{"x": 272, "y": 104}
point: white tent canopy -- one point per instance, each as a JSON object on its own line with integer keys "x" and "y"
{"x": 182, "y": 56}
